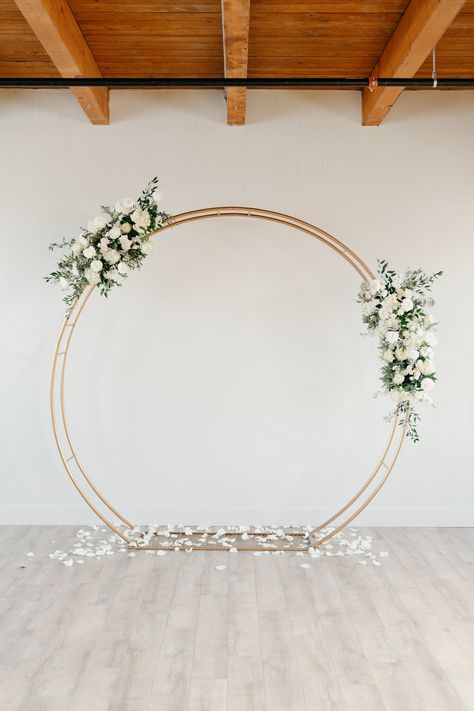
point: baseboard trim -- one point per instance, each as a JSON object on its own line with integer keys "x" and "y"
{"x": 78, "y": 515}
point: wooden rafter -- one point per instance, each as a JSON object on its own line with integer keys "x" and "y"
{"x": 418, "y": 32}
{"x": 235, "y": 32}
{"x": 56, "y": 28}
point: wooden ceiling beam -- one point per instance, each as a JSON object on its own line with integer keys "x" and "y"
{"x": 56, "y": 28}
{"x": 235, "y": 33}
{"x": 420, "y": 29}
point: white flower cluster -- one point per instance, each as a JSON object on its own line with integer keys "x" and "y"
{"x": 114, "y": 242}
{"x": 394, "y": 309}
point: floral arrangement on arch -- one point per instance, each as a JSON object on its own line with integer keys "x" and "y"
{"x": 395, "y": 310}
{"x": 114, "y": 242}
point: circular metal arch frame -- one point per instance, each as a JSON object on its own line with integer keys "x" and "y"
{"x": 68, "y": 453}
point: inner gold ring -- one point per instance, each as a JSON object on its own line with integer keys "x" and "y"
{"x": 68, "y": 453}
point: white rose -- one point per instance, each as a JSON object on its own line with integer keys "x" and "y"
{"x": 429, "y": 367}
{"x": 125, "y": 206}
{"x": 64, "y": 282}
{"x": 406, "y": 305}
{"x": 413, "y": 354}
{"x": 114, "y": 232}
{"x": 89, "y": 252}
{"x": 388, "y": 356}
{"x": 374, "y": 286}
{"x": 427, "y": 384}
{"x": 416, "y": 374}
{"x": 401, "y": 353}
{"x": 96, "y": 265}
{"x": 141, "y": 218}
{"x": 398, "y": 379}
{"x": 392, "y": 336}
{"x": 125, "y": 243}
{"x": 112, "y": 274}
{"x": 125, "y": 228}
{"x": 123, "y": 268}
{"x": 91, "y": 276}
{"x": 147, "y": 247}
{"x": 97, "y": 223}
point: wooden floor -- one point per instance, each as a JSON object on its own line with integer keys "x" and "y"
{"x": 174, "y": 633}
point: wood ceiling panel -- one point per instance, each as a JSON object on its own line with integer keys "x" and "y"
{"x": 163, "y": 38}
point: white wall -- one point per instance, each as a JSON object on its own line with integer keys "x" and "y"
{"x": 228, "y": 381}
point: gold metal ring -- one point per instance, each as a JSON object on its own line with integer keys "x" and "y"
{"x": 68, "y": 453}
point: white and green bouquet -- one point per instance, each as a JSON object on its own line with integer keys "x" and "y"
{"x": 395, "y": 309}
{"x": 114, "y": 242}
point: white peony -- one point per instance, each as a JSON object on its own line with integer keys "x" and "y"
{"x": 96, "y": 265}
{"x": 123, "y": 268}
{"x": 89, "y": 252}
{"x": 125, "y": 206}
{"x": 114, "y": 232}
{"x": 103, "y": 244}
{"x": 125, "y": 228}
{"x": 401, "y": 353}
{"x": 97, "y": 223}
{"x": 398, "y": 379}
{"x": 427, "y": 384}
{"x": 413, "y": 354}
{"x": 388, "y": 356}
{"x": 147, "y": 247}
{"x": 392, "y": 336}
{"x": 91, "y": 276}
{"x": 125, "y": 243}
{"x": 141, "y": 218}
{"x": 112, "y": 256}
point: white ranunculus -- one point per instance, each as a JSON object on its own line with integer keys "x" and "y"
{"x": 112, "y": 256}
{"x": 96, "y": 265}
{"x": 125, "y": 243}
{"x": 147, "y": 247}
{"x": 388, "y": 356}
{"x": 89, "y": 252}
{"x": 125, "y": 228}
{"x": 125, "y": 206}
{"x": 97, "y": 223}
{"x": 91, "y": 276}
{"x": 427, "y": 384}
{"x": 398, "y": 379}
{"x": 141, "y": 218}
{"x": 63, "y": 282}
{"x": 114, "y": 232}
{"x": 123, "y": 268}
{"x": 392, "y": 336}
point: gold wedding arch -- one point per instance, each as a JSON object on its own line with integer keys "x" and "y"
{"x": 98, "y": 502}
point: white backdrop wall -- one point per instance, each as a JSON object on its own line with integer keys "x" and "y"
{"x": 227, "y": 382}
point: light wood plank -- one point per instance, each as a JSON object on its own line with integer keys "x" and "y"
{"x": 56, "y": 28}
{"x": 235, "y": 33}
{"x": 419, "y": 30}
